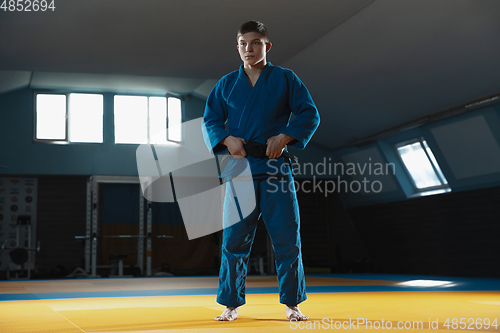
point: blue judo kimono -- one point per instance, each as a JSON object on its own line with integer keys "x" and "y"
{"x": 257, "y": 114}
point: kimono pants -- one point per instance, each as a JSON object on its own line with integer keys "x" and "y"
{"x": 280, "y": 212}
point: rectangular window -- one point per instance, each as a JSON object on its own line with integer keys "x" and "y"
{"x": 422, "y": 167}
{"x": 85, "y": 118}
{"x": 158, "y": 120}
{"x": 50, "y": 117}
{"x": 142, "y": 119}
{"x": 69, "y": 117}
{"x": 131, "y": 119}
{"x": 174, "y": 119}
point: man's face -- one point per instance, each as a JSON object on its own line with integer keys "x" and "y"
{"x": 252, "y": 48}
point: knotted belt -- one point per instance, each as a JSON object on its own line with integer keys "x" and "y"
{"x": 258, "y": 150}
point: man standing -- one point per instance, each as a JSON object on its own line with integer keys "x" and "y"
{"x": 256, "y": 103}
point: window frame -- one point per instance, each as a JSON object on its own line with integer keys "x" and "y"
{"x": 35, "y": 118}
{"x": 114, "y": 118}
{"x": 166, "y": 96}
{"x": 66, "y": 93}
{"x": 66, "y": 140}
{"x": 181, "y": 100}
{"x": 443, "y": 187}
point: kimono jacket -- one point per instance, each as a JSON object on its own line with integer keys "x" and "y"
{"x": 259, "y": 113}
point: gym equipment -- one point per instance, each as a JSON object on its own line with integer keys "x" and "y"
{"x": 21, "y": 254}
{"x": 91, "y": 234}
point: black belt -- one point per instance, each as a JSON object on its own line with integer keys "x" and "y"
{"x": 258, "y": 150}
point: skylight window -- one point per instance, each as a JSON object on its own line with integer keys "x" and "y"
{"x": 69, "y": 118}
{"x": 422, "y": 167}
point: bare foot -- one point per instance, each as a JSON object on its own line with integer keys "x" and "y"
{"x": 229, "y": 314}
{"x": 293, "y": 313}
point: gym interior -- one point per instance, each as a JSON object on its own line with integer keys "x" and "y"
{"x": 399, "y": 188}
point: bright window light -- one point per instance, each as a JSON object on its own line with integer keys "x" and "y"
{"x": 142, "y": 119}
{"x": 158, "y": 120}
{"x": 434, "y": 162}
{"x": 427, "y": 283}
{"x": 131, "y": 119}
{"x": 422, "y": 166}
{"x": 174, "y": 119}
{"x": 50, "y": 117}
{"x": 419, "y": 165}
{"x": 85, "y": 118}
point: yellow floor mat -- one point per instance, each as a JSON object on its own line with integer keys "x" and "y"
{"x": 262, "y": 313}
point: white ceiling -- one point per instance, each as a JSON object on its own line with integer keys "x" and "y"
{"x": 370, "y": 65}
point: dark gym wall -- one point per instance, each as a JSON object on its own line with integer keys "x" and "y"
{"x": 447, "y": 234}
{"x": 453, "y": 234}
{"x": 61, "y": 217}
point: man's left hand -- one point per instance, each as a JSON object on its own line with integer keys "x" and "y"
{"x": 276, "y": 145}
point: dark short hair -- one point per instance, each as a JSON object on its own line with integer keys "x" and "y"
{"x": 253, "y": 26}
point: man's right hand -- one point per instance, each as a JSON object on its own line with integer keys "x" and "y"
{"x": 235, "y": 146}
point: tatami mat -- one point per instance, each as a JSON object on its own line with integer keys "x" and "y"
{"x": 123, "y": 284}
{"x": 195, "y": 313}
